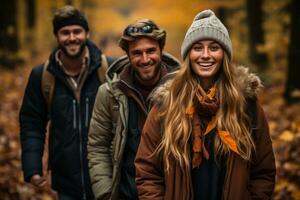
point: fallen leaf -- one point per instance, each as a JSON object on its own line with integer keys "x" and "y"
{"x": 287, "y": 136}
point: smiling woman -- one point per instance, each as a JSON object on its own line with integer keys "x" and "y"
{"x": 207, "y": 127}
{"x": 206, "y": 58}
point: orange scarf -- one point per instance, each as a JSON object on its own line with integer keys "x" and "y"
{"x": 202, "y": 112}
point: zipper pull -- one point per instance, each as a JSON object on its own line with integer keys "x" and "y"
{"x": 84, "y": 196}
{"x": 86, "y": 112}
{"x": 74, "y": 113}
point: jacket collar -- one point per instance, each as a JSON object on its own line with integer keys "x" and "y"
{"x": 95, "y": 60}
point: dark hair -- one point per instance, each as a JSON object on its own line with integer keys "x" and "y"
{"x": 68, "y": 15}
{"x": 142, "y": 28}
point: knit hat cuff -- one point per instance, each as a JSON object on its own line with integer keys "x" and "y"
{"x": 70, "y": 21}
{"x": 206, "y": 32}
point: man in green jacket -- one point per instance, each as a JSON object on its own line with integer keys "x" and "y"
{"x": 121, "y": 108}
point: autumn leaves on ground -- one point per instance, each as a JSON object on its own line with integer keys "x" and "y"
{"x": 284, "y": 123}
{"x": 284, "y": 120}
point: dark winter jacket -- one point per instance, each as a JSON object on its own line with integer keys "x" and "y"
{"x": 253, "y": 179}
{"x": 68, "y": 129}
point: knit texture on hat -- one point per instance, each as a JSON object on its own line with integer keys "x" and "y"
{"x": 206, "y": 26}
{"x": 74, "y": 20}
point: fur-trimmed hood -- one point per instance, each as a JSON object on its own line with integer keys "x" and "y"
{"x": 249, "y": 83}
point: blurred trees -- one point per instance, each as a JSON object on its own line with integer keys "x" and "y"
{"x": 293, "y": 81}
{"x": 256, "y": 28}
{"x": 26, "y": 23}
{"x": 9, "y": 43}
{"x": 256, "y": 32}
{"x": 221, "y": 13}
{"x": 31, "y": 13}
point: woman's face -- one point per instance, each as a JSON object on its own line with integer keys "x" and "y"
{"x": 206, "y": 58}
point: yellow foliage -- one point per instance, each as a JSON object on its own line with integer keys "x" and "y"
{"x": 107, "y": 19}
{"x": 287, "y": 136}
{"x": 296, "y": 125}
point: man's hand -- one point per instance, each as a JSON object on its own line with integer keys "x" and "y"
{"x": 38, "y": 180}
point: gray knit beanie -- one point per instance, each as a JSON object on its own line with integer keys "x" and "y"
{"x": 206, "y": 26}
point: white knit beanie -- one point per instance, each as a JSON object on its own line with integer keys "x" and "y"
{"x": 206, "y": 26}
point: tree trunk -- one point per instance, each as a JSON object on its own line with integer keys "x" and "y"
{"x": 222, "y": 15}
{"x": 8, "y": 34}
{"x": 293, "y": 80}
{"x": 69, "y": 2}
{"x": 256, "y": 33}
{"x": 31, "y": 13}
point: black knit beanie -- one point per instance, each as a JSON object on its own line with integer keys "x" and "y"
{"x": 73, "y": 20}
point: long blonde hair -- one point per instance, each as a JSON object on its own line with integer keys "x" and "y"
{"x": 176, "y": 125}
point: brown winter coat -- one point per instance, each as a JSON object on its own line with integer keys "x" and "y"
{"x": 243, "y": 180}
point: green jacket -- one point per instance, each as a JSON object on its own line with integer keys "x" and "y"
{"x": 108, "y": 130}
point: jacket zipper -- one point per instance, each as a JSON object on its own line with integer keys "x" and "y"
{"x": 81, "y": 152}
{"x": 84, "y": 196}
{"x": 74, "y": 114}
{"x": 120, "y": 156}
{"x": 80, "y": 145}
{"x": 86, "y": 112}
{"x": 141, "y": 97}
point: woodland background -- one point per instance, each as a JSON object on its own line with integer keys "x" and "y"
{"x": 265, "y": 36}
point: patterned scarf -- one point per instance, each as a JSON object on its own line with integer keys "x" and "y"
{"x": 202, "y": 112}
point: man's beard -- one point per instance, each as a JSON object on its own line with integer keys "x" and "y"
{"x": 153, "y": 76}
{"x": 73, "y": 56}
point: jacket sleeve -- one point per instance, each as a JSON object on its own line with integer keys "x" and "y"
{"x": 33, "y": 121}
{"x": 99, "y": 144}
{"x": 149, "y": 170}
{"x": 263, "y": 171}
